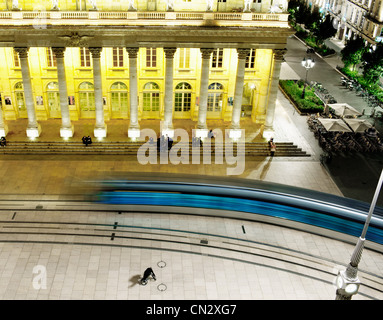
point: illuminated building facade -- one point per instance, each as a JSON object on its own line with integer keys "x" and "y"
{"x": 355, "y": 17}
{"x": 134, "y": 60}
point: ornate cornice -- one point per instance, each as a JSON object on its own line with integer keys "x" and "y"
{"x": 279, "y": 53}
{"x": 243, "y": 53}
{"x": 132, "y": 52}
{"x": 23, "y": 52}
{"x": 96, "y": 52}
{"x": 75, "y": 40}
{"x": 169, "y": 52}
{"x": 206, "y": 52}
{"x": 59, "y": 52}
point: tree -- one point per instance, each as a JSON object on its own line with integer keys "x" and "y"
{"x": 353, "y": 52}
{"x": 325, "y": 30}
{"x": 373, "y": 68}
{"x": 313, "y": 20}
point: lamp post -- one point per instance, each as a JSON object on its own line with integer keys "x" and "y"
{"x": 307, "y": 64}
{"x": 347, "y": 281}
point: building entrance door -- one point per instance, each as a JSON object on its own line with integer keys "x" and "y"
{"x": 214, "y": 101}
{"x": 20, "y": 100}
{"x": 119, "y": 100}
{"x": 87, "y": 101}
{"x": 182, "y": 101}
{"x": 151, "y": 101}
{"x": 53, "y": 100}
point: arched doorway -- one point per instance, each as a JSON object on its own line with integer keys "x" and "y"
{"x": 248, "y": 98}
{"x": 151, "y": 101}
{"x": 214, "y": 100}
{"x": 20, "y": 100}
{"x": 53, "y": 100}
{"x": 182, "y": 100}
{"x": 87, "y": 101}
{"x": 119, "y": 100}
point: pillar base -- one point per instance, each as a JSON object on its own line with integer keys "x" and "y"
{"x": 201, "y": 133}
{"x": 235, "y": 133}
{"x": 66, "y": 132}
{"x": 134, "y": 132}
{"x": 100, "y": 132}
{"x": 3, "y": 131}
{"x": 34, "y": 132}
{"x": 268, "y": 133}
{"x": 167, "y": 129}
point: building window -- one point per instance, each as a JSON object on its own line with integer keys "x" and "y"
{"x": 151, "y": 97}
{"x": 221, "y": 0}
{"x": 118, "y": 57}
{"x": 250, "y": 59}
{"x": 182, "y": 97}
{"x": 151, "y": 57}
{"x": 85, "y": 57}
{"x": 184, "y": 62}
{"x": 87, "y": 101}
{"x": 217, "y": 58}
{"x": 16, "y": 59}
{"x": 215, "y": 97}
{"x": 119, "y": 99}
{"x": 53, "y": 99}
{"x": 51, "y": 58}
{"x": 20, "y": 101}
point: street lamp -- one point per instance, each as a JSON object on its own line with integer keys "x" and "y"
{"x": 307, "y": 64}
{"x": 347, "y": 281}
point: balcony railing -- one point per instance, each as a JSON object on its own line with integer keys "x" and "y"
{"x": 53, "y": 18}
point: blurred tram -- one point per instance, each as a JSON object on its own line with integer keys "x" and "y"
{"x": 310, "y": 211}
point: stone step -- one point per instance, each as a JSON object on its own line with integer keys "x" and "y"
{"x": 285, "y": 149}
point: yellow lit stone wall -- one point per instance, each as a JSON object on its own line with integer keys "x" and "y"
{"x": 41, "y": 75}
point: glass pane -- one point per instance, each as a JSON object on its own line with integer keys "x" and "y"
{"x": 115, "y": 102}
{"x": 146, "y": 101}
{"x": 54, "y": 101}
{"x": 20, "y": 101}
{"x": 83, "y": 101}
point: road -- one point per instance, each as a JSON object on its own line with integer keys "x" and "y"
{"x": 355, "y": 175}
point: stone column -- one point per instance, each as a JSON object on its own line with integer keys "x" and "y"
{"x": 100, "y": 127}
{"x": 168, "y": 123}
{"x": 238, "y": 93}
{"x": 3, "y": 126}
{"x": 278, "y": 57}
{"x": 202, "y": 110}
{"x": 66, "y": 130}
{"x": 134, "y": 128}
{"x": 33, "y": 129}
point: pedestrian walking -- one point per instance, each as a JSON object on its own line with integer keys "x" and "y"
{"x": 3, "y": 142}
{"x": 148, "y": 273}
{"x": 273, "y": 148}
{"x": 211, "y": 134}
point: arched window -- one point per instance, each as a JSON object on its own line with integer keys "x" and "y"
{"x": 151, "y": 97}
{"x": 182, "y": 97}
{"x": 20, "y": 100}
{"x": 86, "y": 98}
{"x": 119, "y": 100}
{"x": 53, "y": 99}
{"x": 215, "y": 97}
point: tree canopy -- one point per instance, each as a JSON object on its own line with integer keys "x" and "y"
{"x": 373, "y": 69}
{"x": 353, "y": 52}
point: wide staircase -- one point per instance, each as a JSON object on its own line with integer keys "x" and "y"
{"x": 252, "y": 149}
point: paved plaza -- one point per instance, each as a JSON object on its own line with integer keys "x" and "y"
{"x": 194, "y": 257}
